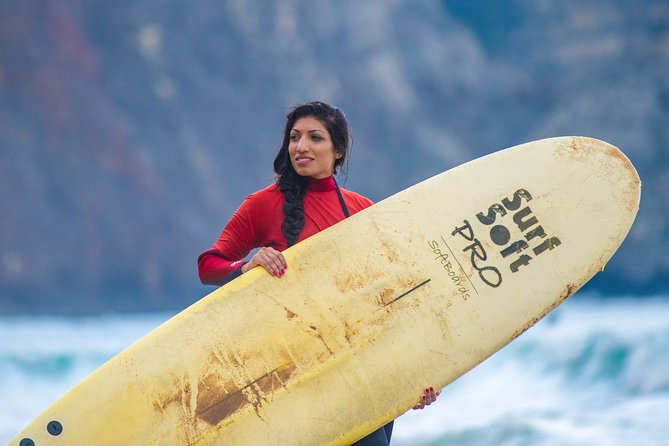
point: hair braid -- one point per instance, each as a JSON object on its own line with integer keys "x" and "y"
{"x": 294, "y": 191}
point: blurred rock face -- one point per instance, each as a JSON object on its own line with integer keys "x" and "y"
{"x": 130, "y": 131}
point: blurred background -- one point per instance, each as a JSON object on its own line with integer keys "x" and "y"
{"x": 131, "y": 130}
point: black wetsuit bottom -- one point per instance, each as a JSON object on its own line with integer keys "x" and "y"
{"x": 380, "y": 437}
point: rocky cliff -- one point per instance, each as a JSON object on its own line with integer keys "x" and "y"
{"x": 130, "y": 130}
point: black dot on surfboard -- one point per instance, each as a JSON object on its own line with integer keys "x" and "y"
{"x": 54, "y": 428}
{"x": 26, "y": 442}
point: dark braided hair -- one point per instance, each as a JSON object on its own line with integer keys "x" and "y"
{"x": 290, "y": 183}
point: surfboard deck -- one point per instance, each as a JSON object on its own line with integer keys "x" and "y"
{"x": 411, "y": 292}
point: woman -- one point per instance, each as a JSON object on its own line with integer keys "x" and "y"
{"x": 304, "y": 200}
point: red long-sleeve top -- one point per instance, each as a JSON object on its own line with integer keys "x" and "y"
{"x": 257, "y": 223}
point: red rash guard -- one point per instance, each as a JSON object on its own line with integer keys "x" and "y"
{"x": 257, "y": 223}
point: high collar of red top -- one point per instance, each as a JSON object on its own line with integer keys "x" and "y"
{"x": 321, "y": 184}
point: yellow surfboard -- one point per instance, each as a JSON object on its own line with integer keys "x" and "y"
{"x": 411, "y": 292}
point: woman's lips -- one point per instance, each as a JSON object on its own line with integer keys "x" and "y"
{"x": 303, "y": 160}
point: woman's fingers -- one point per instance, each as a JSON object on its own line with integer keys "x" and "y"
{"x": 428, "y": 397}
{"x": 272, "y": 260}
{"x": 421, "y": 402}
{"x": 431, "y": 396}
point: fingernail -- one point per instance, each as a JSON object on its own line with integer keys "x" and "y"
{"x": 431, "y": 389}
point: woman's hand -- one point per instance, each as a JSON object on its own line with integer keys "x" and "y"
{"x": 428, "y": 397}
{"x": 270, "y": 259}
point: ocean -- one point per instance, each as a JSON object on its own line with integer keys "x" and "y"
{"x": 594, "y": 372}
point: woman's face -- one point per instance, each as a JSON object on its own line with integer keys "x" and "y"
{"x": 310, "y": 148}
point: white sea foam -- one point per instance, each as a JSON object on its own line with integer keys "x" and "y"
{"x": 594, "y": 372}
{"x": 43, "y": 357}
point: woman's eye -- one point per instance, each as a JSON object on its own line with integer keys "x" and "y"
{"x": 316, "y": 138}
{"x": 294, "y": 138}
